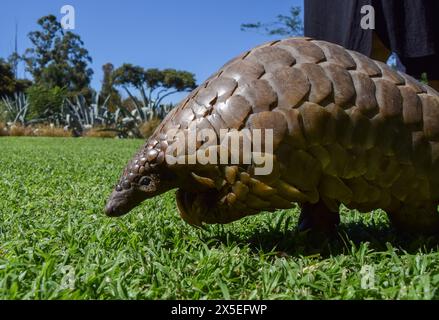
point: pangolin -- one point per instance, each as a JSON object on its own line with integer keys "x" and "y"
{"x": 345, "y": 130}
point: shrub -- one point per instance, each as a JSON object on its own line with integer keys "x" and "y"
{"x": 3, "y": 130}
{"x": 45, "y": 101}
{"x": 18, "y": 131}
{"x": 147, "y": 128}
{"x": 98, "y": 133}
{"x": 51, "y": 131}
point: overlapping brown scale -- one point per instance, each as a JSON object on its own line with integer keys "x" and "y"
{"x": 206, "y": 96}
{"x": 321, "y": 154}
{"x": 334, "y": 188}
{"x": 256, "y": 203}
{"x": 430, "y": 111}
{"x": 356, "y": 165}
{"x": 289, "y": 192}
{"x": 363, "y": 135}
{"x": 343, "y": 125}
{"x": 317, "y": 124}
{"x": 336, "y": 54}
{"x": 374, "y": 195}
{"x": 290, "y": 84}
{"x": 269, "y": 120}
{"x": 294, "y": 120}
{"x": 390, "y": 171}
{"x": 411, "y": 107}
{"x": 302, "y": 50}
{"x": 421, "y": 190}
{"x": 364, "y": 64}
{"x": 217, "y": 122}
{"x": 259, "y": 94}
{"x": 232, "y": 61}
{"x": 421, "y": 151}
{"x": 435, "y": 155}
{"x": 223, "y": 86}
{"x": 389, "y": 74}
{"x": 386, "y": 133}
{"x": 230, "y": 173}
{"x": 240, "y": 190}
{"x": 303, "y": 170}
{"x": 388, "y": 97}
{"x": 412, "y": 83}
{"x": 404, "y": 183}
{"x": 359, "y": 188}
{"x": 272, "y": 58}
{"x": 430, "y": 90}
{"x": 184, "y": 117}
{"x": 272, "y": 177}
{"x": 343, "y": 87}
{"x": 385, "y": 199}
{"x": 244, "y": 177}
{"x": 244, "y": 71}
{"x": 234, "y": 111}
{"x": 261, "y": 189}
{"x": 204, "y": 181}
{"x": 365, "y": 98}
{"x": 321, "y": 86}
{"x": 205, "y": 127}
{"x": 402, "y": 146}
{"x": 339, "y": 159}
{"x": 278, "y": 202}
{"x": 237, "y": 145}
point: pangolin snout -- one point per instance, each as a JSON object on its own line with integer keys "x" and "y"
{"x": 121, "y": 202}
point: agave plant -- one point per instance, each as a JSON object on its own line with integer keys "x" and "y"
{"x": 80, "y": 116}
{"x": 16, "y": 108}
{"x": 163, "y": 110}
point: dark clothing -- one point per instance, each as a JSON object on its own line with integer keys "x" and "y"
{"x": 410, "y": 28}
{"x": 338, "y": 21}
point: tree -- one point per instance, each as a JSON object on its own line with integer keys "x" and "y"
{"x": 286, "y": 25}
{"x": 153, "y": 84}
{"x": 58, "y": 58}
{"x": 7, "y": 80}
{"x": 8, "y": 84}
{"x": 108, "y": 89}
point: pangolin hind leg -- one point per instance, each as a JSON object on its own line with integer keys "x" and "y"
{"x": 423, "y": 219}
{"x": 319, "y": 218}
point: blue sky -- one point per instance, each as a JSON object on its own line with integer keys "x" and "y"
{"x": 194, "y": 35}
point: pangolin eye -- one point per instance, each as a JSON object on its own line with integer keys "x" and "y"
{"x": 126, "y": 184}
{"x": 145, "y": 181}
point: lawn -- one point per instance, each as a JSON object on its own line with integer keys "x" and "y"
{"x": 56, "y": 243}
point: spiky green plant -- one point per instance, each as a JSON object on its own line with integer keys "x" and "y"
{"x": 16, "y": 108}
{"x": 81, "y": 116}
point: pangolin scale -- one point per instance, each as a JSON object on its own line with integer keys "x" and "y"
{"x": 347, "y": 130}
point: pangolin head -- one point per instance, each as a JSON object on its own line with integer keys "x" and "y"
{"x": 199, "y": 199}
{"x": 144, "y": 177}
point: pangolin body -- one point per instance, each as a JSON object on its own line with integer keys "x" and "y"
{"x": 346, "y": 130}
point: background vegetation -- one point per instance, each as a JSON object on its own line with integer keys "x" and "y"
{"x": 60, "y": 95}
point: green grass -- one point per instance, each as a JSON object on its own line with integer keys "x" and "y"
{"x": 56, "y": 243}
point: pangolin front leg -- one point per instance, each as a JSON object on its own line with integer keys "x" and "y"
{"x": 318, "y": 218}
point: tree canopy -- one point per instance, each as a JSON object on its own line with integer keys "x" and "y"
{"x": 58, "y": 58}
{"x": 153, "y": 84}
{"x": 285, "y": 25}
{"x": 107, "y": 89}
{"x": 8, "y": 84}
